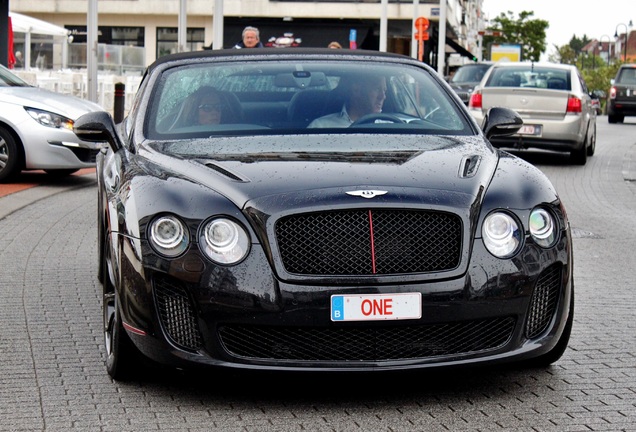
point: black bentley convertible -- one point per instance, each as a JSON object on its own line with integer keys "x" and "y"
{"x": 386, "y": 239}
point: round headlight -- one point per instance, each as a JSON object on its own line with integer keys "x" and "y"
{"x": 168, "y": 236}
{"x": 224, "y": 241}
{"x": 542, "y": 227}
{"x": 501, "y": 234}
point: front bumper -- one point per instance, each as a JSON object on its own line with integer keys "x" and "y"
{"x": 194, "y": 313}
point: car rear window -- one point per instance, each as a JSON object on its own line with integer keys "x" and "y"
{"x": 627, "y": 76}
{"x": 531, "y": 77}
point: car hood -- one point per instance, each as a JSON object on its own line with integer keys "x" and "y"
{"x": 425, "y": 169}
{"x": 68, "y": 106}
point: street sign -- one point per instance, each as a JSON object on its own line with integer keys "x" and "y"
{"x": 421, "y": 24}
{"x": 490, "y": 33}
{"x": 421, "y": 35}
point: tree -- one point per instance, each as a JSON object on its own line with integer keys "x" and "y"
{"x": 524, "y": 31}
{"x": 563, "y": 54}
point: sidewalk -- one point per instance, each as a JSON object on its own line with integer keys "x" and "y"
{"x": 15, "y": 196}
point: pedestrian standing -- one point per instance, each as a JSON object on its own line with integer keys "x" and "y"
{"x": 251, "y": 38}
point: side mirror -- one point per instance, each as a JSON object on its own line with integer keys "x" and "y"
{"x": 98, "y": 126}
{"x": 501, "y": 121}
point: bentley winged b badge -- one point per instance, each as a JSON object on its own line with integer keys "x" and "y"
{"x": 367, "y": 193}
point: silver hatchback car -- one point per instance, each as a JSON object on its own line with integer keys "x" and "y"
{"x": 36, "y": 129}
{"x": 553, "y": 101}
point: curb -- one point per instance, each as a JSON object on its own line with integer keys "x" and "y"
{"x": 18, "y": 200}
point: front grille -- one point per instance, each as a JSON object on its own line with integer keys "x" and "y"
{"x": 368, "y": 242}
{"x": 177, "y": 314}
{"x": 544, "y": 301}
{"x": 366, "y": 343}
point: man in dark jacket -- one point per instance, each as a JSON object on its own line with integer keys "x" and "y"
{"x": 251, "y": 38}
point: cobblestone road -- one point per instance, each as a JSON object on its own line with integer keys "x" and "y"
{"x": 51, "y": 351}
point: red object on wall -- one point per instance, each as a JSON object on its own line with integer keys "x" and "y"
{"x": 11, "y": 59}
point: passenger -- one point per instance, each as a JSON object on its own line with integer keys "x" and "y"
{"x": 203, "y": 107}
{"x": 365, "y": 95}
{"x": 251, "y": 38}
{"x": 335, "y": 45}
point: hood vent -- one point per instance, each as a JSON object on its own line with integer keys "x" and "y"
{"x": 468, "y": 167}
{"x": 229, "y": 174}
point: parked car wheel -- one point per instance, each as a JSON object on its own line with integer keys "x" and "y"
{"x": 591, "y": 148}
{"x": 615, "y": 118}
{"x": 60, "y": 172}
{"x": 579, "y": 156}
{"x": 9, "y": 156}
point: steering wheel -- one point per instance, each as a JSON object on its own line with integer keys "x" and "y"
{"x": 371, "y": 118}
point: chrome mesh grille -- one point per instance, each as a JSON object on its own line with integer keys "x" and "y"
{"x": 544, "y": 301}
{"x": 367, "y": 242}
{"x": 177, "y": 314}
{"x": 366, "y": 343}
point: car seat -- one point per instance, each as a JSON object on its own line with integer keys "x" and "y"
{"x": 556, "y": 83}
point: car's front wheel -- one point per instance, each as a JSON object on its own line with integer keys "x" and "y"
{"x": 120, "y": 351}
{"x": 9, "y": 156}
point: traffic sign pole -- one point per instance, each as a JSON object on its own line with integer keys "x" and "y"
{"x": 421, "y": 25}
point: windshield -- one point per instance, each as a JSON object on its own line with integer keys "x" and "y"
{"x": 8, "y": 79}
{"x": 307, "y": 97}
{"x": 470, "y": 74}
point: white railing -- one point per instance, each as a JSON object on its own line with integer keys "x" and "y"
{"x": 75, "y": 83}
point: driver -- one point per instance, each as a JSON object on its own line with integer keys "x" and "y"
{"x": 365, "y": 96}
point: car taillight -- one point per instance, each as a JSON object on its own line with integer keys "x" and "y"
{"x": 574, "y": 105}
{"x": 475, "y": 100}
{"x": 612, "y": 93}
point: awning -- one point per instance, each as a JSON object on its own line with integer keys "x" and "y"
{"x": 26, "y": 24}
{"x": 460, "y": 49}
{"x": 29, "y": 25}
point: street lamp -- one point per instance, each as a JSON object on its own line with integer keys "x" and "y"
{"x": 626, "y": 36}
{"x": 609, "y": 42}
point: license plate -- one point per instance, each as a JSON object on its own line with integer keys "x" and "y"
{"x": 528, "y": 129}
{"x": 374, "y": 307}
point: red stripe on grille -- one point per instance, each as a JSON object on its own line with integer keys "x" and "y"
{"x": 372, "y": 243}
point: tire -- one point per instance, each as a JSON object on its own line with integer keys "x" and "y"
{"x": 102, "y": 265}
{"x": 591, "y": 149}
{"x": 555, "y": 353}
{"x": 121, "y": 354}
{"x": 59, "y": 173}
{"x": 10, "y": 165}
{"x": 579, "y": 156}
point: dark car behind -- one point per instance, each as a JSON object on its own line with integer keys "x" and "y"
{"x": 622, "y": 96}
{"x": 467, "y": 77}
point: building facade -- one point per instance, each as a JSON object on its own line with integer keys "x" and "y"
{"x": 153, "y": 24}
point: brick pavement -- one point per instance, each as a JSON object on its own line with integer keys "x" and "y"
{"x": 51, "y": 350}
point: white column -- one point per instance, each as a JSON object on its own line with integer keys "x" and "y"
{"x": 441, "y": 45}
{"x": 383, "y": 26}
{"x": 182, "y": 29}
{"x": 414, "y": 42}
{"x": 217, "y": 25}
{"x": 91, "y": 50}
